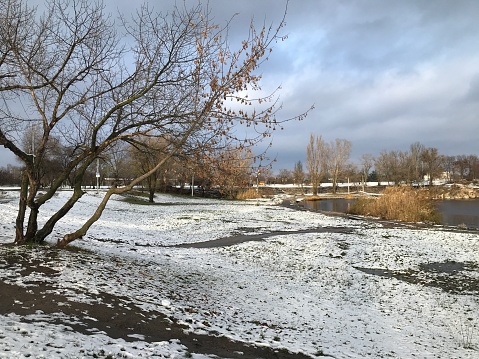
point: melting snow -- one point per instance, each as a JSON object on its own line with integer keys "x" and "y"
{"x": 301, "y": 291}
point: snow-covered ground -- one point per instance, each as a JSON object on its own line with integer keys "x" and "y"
{"x": 308, "y": 292}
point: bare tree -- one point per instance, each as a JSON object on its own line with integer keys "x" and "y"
{"x": 461, "y": 165}
{"x": 388, "y": 166}
{"x": 145, "y": 153}
{"x": 284, "y": 176}
{"x": 473, "y": 164}
{"x": 337, "y": 156}
{"x": 174, "y": 76}
{"x": 433, "y": 163}
{"x": 352, "y": 175}
{"x": 316, "y": 160}
{"x": 298, "y": 174}
{"x": 230, "y": 170}
{"x": 449, "y": 167}
{"x": 10, "y": 175}
{"x": 415, "y": 165}
{"x": 367, "y": 162}
{"x": 404, "y": 172}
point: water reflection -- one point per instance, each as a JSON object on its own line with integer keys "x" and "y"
{"x": 453, "y": 212}
{"x": 459, "y": 212}
{"x": 331, "y": 205}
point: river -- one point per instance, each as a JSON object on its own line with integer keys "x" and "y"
{"x": 453, "y": 212}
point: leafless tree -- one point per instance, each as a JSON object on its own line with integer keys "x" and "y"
{"x": 390, "y": 166}
{"x": 80, "y": 79}
{"x": 415, "y": 162}
{"x": 10, "y": 175}
{"x": 433, "y": 163}
{"x": 449, "y": 167}
{"x": 338, "y": 153}
{"x": 473, "y": 165}
{"x": 461, "y": 166}
{"x": 298, "y": 174}
{"x": 475, "y": 168}
{"x": 144, "y": 154}
{"x": 367, "y": 162}
{"x": 230, "y": 170}
{"x": 284, "y": 176}
{"x": 316, "y": 155}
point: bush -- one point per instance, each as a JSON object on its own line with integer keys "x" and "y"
{"x": 399, "y": 203}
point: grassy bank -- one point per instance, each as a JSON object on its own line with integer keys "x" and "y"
{"x": 400, "y": 204}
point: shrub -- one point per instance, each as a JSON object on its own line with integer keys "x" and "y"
{"x": 399, "y": 203}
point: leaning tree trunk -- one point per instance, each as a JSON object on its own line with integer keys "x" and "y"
{"x": 70, "y": 237}
{"x": 32, "y": 223}
{"x": 47, "y": 228}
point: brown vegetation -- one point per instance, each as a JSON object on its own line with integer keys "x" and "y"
{"x": 251, "y": 193}
{"x": 399, "y": 203}
{"x": 247, "y": 194}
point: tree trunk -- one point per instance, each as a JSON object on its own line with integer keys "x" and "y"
{"x": 151, "y": 188}
{"x": 32, "y": 224}
{"x": 52, "y": 221}
{"x": 32, "y": 227}
{"x": 70, "y": 237}
{"x": 335, "y": 179}
{"x": 22, "y": 208}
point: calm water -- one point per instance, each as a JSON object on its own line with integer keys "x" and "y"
{"x": 459, "y": 212}
{"x": 331, "y": 205}
{"x": 453, "y": 212}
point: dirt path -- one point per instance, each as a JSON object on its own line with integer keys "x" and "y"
{"x": 229, "y": 241}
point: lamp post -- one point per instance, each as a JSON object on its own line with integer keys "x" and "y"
{"x": 257, "y": 183}
{"x": 257, "y": 187}
{"x": 192, "y": 184}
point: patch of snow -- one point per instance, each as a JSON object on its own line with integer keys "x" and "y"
{"x": 299, "y": 291}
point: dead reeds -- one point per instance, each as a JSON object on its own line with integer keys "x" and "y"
{"x": 399, "y": 203}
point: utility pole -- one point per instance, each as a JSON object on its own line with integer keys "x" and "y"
{"x": 193, "y": 184}
{"x": 257, "y": 187}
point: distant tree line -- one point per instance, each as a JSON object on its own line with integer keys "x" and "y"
{"x": 229, "y": 170}
{"x": 329, "y": 162}
{"x": 226, "y": 170}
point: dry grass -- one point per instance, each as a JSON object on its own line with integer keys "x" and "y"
{"x": 247, "y": 194}
{"x": 400, "y": 204}
{"x": 251, "y": 193}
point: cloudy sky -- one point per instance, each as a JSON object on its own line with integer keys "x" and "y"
{"x": 381, "y": 74}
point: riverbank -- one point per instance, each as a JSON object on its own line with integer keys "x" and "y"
{"x": 442, "y": 191}
{"x": 446, "y": 205}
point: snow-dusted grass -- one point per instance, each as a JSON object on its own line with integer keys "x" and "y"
{"x": 302, "y": 292}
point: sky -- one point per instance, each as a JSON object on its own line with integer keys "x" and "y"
{"x": 381, "y": 74}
